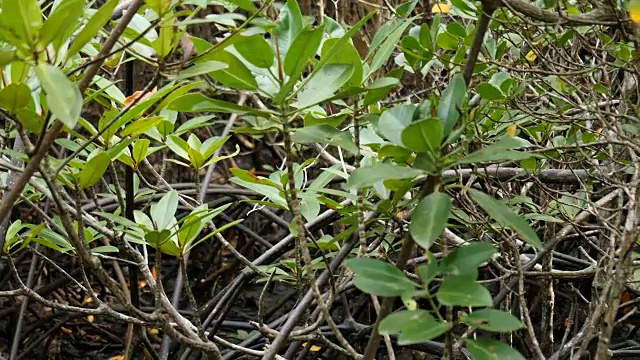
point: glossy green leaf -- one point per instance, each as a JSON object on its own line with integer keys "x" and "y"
{"x": 302, "y": 50}
{"x": 324, "y": 84}
{"x": 493, "y": 320}
{"x": 61, "y": 23}
{"x": 347, "y": 54}
{"x": 289, "y": 26}
{"x": 202, "y": 68}
{"x": 467, "y": 258}
{"x": 499, "y": 151}
{"x": 7, "y": 56}
{"x": 22, "y": 18}
{"x": 428, "y": 272}
{"x": 463, "y": 291}
{"x": 244, "y": 4}
{"x": 63, "y": 96}
{"x": 450, "y": 102}
{"x": 429, "y": 218}
{"x": 140, "y": 149}
{"x": 94, "y": 169}
{"x": 256, "y": 50}
{"x": 236, "y": 75}
{"x": 199, "y": 103}
{"x": 141, "y": 126}
{"x": 417, "y": 326}
{"x": 486, "y": 349}
{"x": 447, "y": 41}
{"x": 367, "y": 176}
{"x": 423, "y": 136}
{"x": 163, "y": 212}
{"x": 388, "y": 45}
{"x": 506, "y": 217}
{"x": 15, "y": 97}
{"x": 89, "y": 31}
{"x": 325, "y": 134}
{"x": 178, "y": 146}
{"x": 379, "y": 278}
{"x": 489, "y": 92}
{"x": 393, "y": 122}
{"x": 379, "y": 89}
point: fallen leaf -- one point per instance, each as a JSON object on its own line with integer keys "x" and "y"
{"x": 130, "y": 98}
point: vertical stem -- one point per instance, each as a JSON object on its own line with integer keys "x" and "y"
{"x": 401, "y": 263}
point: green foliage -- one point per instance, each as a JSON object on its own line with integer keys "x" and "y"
{"x": 307, "y": 86}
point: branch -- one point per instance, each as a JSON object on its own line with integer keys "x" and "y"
{"x": 599, "y": 16}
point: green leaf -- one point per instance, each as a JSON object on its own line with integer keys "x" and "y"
{"x": 289, "y": 27}
{"x": 489, "y": 92}
{"x": 244, "y": 4}
{"x": 429, "y": 271}
{"x": 467, "y": 258}
{"x": 366, "y": 176}
{"x": 430, "y": 218}
{"x": 302, "y": 50}
{"x": 23, "y": 19}
{"x": 387, "y": 46}
{"x": 92, "y": 27}
{"x": 493, "y": 320}
{"x": 93, "y": 170}
{"x": 500, "y": 151}
{"x": 63, "y": 96}
{"x": 327, "y": 81}
{"x": 424, "y": 136}
{"x": 61, "y": 23}
{"x": 178, "y": 146}
{"x": 463, "y": 291}
{"x": 105, "y": 249}
{"x": 450, "y": 102}
{"x": 379, "y": 278}
{"x": 417, "y": 326}
{"x": 202, "y": 68}
{"x": 485, "y": 349}
{"x": 141, "y": 126}
{"x": 6, "y": 56}
{"x": 236, "y": 75}
{"x": 275, "y": 195}
{"x": 140, "y": 149}
{"x": 506, "y": 217}
{"x": 325, "y": 134}
{"x": 331, "y": 52}
{"x": 256, "y": 50}
{"x": 164, "y": 210}
{"x": 447, "y": 41}
{"x": 347, "y": 54}
{"x": 15, "y": 97}
{"x": 393, "y": 122}
{"x": 379, "y": 89}
{"x": 201, "y": 103}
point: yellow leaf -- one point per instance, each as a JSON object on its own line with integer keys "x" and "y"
{"x": 315, "y": 348}
{"x": 153, "y": 331}
{"x": 531, "y": 56}
{"x": 90, "y": 319}
{"x": 443, "y": 8}
{"x": 511, "y": 131}
{"x": 117, "y": 357}
{"x": 634, "y": 11}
